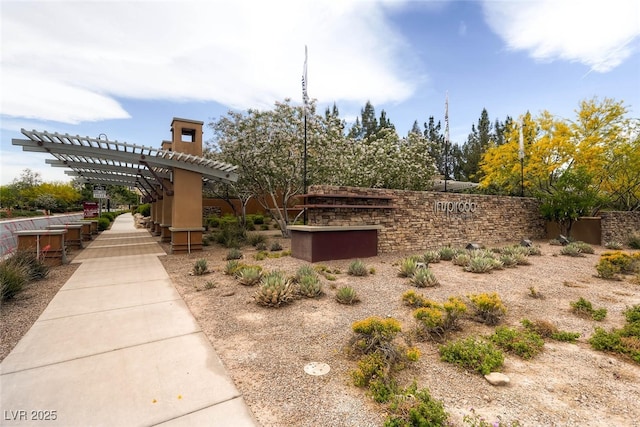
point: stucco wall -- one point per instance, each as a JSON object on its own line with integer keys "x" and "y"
{"x": 429, "y": 220}
{"x": 618, "y": 226}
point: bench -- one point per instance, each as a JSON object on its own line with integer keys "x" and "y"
{"x": 73, "y": 238}
{"x": 47, "y": 245}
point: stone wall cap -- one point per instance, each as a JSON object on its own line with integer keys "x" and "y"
{"x": 321, "y": 228}
{"x": 39, "y": 232}
{"x": 186, "y": 229}
{"x": 63, "y": 226}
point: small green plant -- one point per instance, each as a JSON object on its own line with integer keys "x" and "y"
{"x": 275, "y": 246}
{"x": 625, "y": 341}
{"x": 572, "y": 250}
{"x": 584, "y": 247}
{"x": 249, "y": 275}
{"x": 534, "y": 293}
{"x": 447, "y": 253}
{"x": 482, "y": 264}
{"x": 357, "y": 268}
{"x": 200, "y": 267}
{"x": 412, "y": 299}
{"x": 634, "y": 240}
{"x": 431, "y": 257}
{"x": 13, "y": 278}
{"x": 423, "y": 278}
{"x": 546, "y": 329}
{"x": 210, "y": 285}
{"x": 413, "y": 407}
{"x": 233, "y": 253}
{"x": 231, "y": 267}
{"x": 305, "y": 270}
{"x": 614, "y": 245}
{"x": 472, "y": 355}
{"x": 475, "y": 420}
{"x": 523, "y": 343}
{"x": 346, "y": 295}
{"x": 461, "y": 259}
{"x": 488, "y": 307}
{"x": 408, "y": 267}
{"x": 261, "y": 246}
{"x": 584, "y": 308}
{"x": 254, "y": 239}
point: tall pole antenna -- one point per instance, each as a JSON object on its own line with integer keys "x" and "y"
{"x": 446, "y": 140}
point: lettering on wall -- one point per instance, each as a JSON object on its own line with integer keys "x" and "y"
{"x": 454, "y": 208}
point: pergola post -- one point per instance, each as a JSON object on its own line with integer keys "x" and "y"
{"x": 167, "y": 210}
{"x": 186, "y": 216}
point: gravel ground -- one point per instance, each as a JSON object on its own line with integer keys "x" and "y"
{"x": 265, "y": 349}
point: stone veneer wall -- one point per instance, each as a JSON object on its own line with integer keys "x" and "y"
{"x": 618, "y": 225}
{"x": 420, "y": 219}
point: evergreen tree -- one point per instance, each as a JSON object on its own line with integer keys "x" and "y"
{"x": 434, "y": 135}
{"x": 369, "y": 121}
{"x": 474, "y": 148}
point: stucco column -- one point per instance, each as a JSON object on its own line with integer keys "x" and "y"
{"x": 167, "y": 210}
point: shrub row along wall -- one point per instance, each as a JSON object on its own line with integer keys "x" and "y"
{"x": 617, "y": 226}
{"x": 429, "y": 220}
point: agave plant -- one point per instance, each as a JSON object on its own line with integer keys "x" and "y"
{"x": 305, "y": 270}
{"x": 347, "y": 295}
{"x": 408, "y": 267}
{"x": 447, "y": 253}
{"x": 310, "y": 286}
{"x": 249, "y": 276}
{"x": 274, "y": 290}
{"x": 200, "y": 267}
{"x": 357, "y": 268}
{"x": 423, "y": 277}
{"x": 431, "y": 257}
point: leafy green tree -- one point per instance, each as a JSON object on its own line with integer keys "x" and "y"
{"x": 571, "y": 196}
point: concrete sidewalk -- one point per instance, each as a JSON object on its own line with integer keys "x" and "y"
{"x": 117, "y": 346}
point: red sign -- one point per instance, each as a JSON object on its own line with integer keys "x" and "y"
{"x": 90, "y": 209}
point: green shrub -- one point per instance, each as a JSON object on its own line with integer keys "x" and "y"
{"x": 275, "y": 246}
{"x": 423, "y": 278}
{"x": 254, "y": 239}
{"x": 13, "y": 277}
{"x": 257, "y": 219}
{"x": 357, "y": 268}
{"x": 472, "y": 355}
{"x": 436, "y": 321}
{"x": 412, "y": 299}
{"x": 546, "y": 329}
{"x": 346, "y": 295}
{"x": 584, "y": 308}
{"x": 34, "y": 266}
{"x": 231, "y": 235}
{"x": 634, "y": 241}
{"x": 232, "y": 267}
{"x": 144, "y": 209}
{"x": 488, "y": 307}
{"x": 523, "y": 343}
{"x": 613, "y": 245}
{"x": 103, "y": 223}
{"x": 413, "y": 407}
{"x": 572, "y": 249}
{"x": 233, "y": 253}
{"x": 200, "y": 267}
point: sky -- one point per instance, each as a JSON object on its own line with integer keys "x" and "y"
{"x": 126, "y": 68}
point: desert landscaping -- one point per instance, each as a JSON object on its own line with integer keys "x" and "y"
{"x": 266, "y": 349}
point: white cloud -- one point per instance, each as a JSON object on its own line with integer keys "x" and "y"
{"x": 71, "y": 61}
{"x": 599, "y": 34}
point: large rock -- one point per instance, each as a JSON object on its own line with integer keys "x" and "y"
{"x": 497, "y": 379}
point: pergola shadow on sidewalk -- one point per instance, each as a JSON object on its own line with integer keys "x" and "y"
{"x": 118, "y": 346}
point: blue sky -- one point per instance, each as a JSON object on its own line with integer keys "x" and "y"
{"x": 126, "y": 68}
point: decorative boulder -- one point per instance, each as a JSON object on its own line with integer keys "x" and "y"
{"x": 497, "y": 379}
